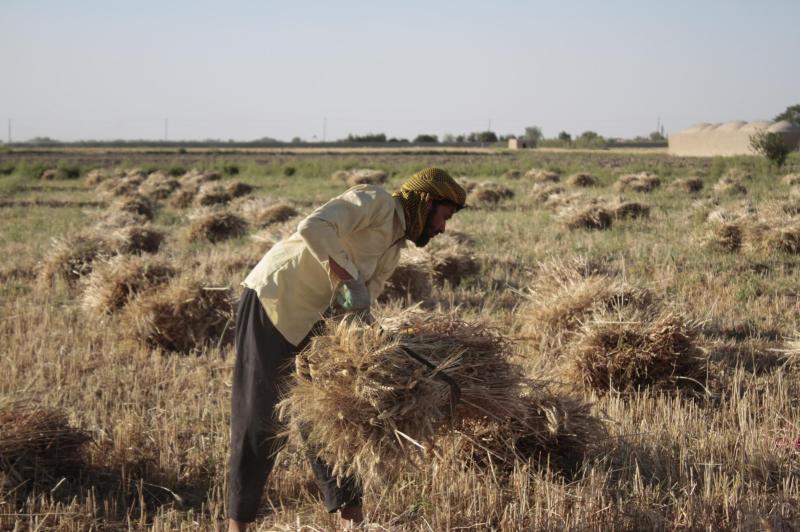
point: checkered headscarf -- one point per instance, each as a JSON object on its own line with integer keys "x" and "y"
{"x": 431, "y": 184}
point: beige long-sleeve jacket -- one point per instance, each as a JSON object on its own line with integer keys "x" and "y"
{"x": 363, "y": 230}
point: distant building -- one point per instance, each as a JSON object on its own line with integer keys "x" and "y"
{"x": 520, "y": 143}
{"x": 730, "y": 138}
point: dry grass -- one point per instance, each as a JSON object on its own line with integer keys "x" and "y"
{"x": 39, "y": 444}
{"x": 537, "y": 175}
{"x": 114, "y": 282}
{"x": 769, "y": 236}
{"x": 625, "y": 352}
{"x": 372, "y": 408}
{"x": 183, "y": 198}
{"x": 97, "y": 176}
{"x": 453, "y": 263}
{"x": 641, "y": 182}
{"x": 215, "y": 226}
{"x": 512, "y": 174}
{"x": 726, "y": 236}
{"x": 687, "y": 184}
{"x": 185, "y": 316}
{"x": 585, "y": 217}
{"x": 582, "y": 180}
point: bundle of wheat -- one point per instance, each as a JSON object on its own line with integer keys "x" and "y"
{"x": 114, "y": 282}
{"x": 557, "y": 430}
{"x": 687, "y": 184}
{"x": 366, "y": 176}
{"x": 629, "y": 209}
{"x": 237, "y": 189}
{"x": 183, "y": 197}
{"x": 765, "y": 236}
{"x": 135, "y": 204}
{"x": 360, "y": 176}
{"x": 183, "y": 316}
{"x": 195, "y": 178}
{"x": 38, "y": 444}
{"x": 626, "y": 351}
{"x": 452, "y": 262}
{"x": 72, "y": 257}
{"x": 541, "y": 192}
{"x": 135, "y": 239}
{"x": 585, "y": 217}
{"x": 158, "y": 186}
{"x": 123, "y": 186}
{"x": 729, "y": 185}
{"x": 97, "y": 176}
{"x": 215, "y": 226}
{"x": 370, "y": 403}
{"x": 582, "y": 180}
{"x": 271, "y": 214}
{"x": 211, "y": 194}
{"x": 726, "y": 236}
{"x": 412, "y": 278}
{"x": 641, "y": 182}
{"x": 489, "y": 193}
{"x": 542, "y": 176}
{"x": 791, "y": 180}
{"x": 118, "y": 219}
{"x": 564, "y": 295}
{"x": 556, "y": 202}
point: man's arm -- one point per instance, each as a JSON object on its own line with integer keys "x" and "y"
{"x": 323, "y": 229}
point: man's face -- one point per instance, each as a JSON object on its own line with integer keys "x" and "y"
{"x": 436, "y": 222}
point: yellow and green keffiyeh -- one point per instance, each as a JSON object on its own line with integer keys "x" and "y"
{"x": 431, "y": 184}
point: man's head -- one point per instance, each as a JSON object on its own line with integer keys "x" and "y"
{"x": 429, "y": 199}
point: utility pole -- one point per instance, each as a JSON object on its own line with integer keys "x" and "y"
{"x": 324, "y": 128}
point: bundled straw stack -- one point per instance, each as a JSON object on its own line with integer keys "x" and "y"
{"x": 641, "y": 182}
{"x": 39, "y": 444}
{"x": 371, "y": 407}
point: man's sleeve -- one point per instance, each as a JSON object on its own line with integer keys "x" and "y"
{"x": 354, "y": 210}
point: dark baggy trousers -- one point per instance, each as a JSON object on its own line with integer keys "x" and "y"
{"x": 264, "y": 360}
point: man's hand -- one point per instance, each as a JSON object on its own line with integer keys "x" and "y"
{"x": 354, "y": 296}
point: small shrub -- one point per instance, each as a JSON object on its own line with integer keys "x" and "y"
{"x": 289, "y": 171}
{"x": 770, "y": 146}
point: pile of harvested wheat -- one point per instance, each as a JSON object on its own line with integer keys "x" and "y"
{"x": 183, "y": 316}
{"x": 641, "y": 182}
{"x": 371, "y": 405}
{"x": 263, "y": 212}
{"x": 585, "y": 216}
{"x": 489, "y": 193}
{"x": 541, "y": 192}
{"x": 412, "y": 279}
{"x": 74, "y": 256}
{"x": 730, "y": 186}
{"x": 114, "y": 282}
{"x": 158, "y": 186}
{"x": 582, "y": 180}
{"x": 212, "y": 194}
{"x": 774, "y": 228}
{"x": 39, "y": 444}
{"x": 791, "y": 180}
{"x": 215, "y": 226}
{"x": 621, "y": 210}
{"x": 599, "y": 332}
{"x": 538, "y": 175}
{"x": 687, "y": 184}
{"x": 360, "y": 176}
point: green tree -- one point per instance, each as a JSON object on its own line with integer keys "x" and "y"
{"x": 564, "y": 137}
{"x": 424, "y": 138}
{"x": 533, "y": 134}
{"x": 770, "y": 145}
{"x": 791, "y": 114}
{"x": 656, "y": 136}
{"x": 482, "y": 136}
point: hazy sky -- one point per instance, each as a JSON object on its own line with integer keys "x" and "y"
{"x": 244, "y": 70}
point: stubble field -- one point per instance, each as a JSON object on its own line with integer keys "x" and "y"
{"x": 115, "y": 399}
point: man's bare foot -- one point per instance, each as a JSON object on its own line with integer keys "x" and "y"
{"x": 351, "y": 516}
{"x": 236, "y": 526}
